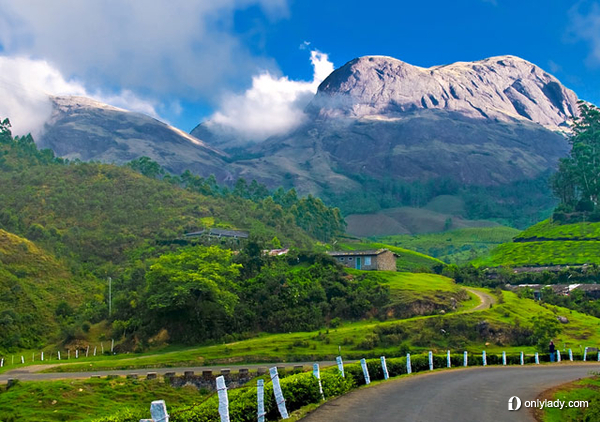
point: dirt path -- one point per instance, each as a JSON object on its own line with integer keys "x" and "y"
{"x": 486, "y": 300}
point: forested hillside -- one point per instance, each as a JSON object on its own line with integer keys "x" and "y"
{"x": 95, "y": 221}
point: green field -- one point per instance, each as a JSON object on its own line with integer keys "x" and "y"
{"x": 565, "y": 252}
{"x": 86, "y": 400}
{"x": 455, "y": 246}
{"x": 407, "y": 260}
{"x": 551, "y": 230}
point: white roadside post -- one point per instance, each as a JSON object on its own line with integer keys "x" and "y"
{"x": 317, "y": 375}
{"x": 76, "y": 353}
{"x": 95, "y": 347}
{"x": 570, "y": 355}
{"x": 2, "y": 363}
{"x": 522, "y": 359}
{"x": 158, "y": 412}
{"x": 42, "y": 356}
{"x": 448, "y": 362}
{"x": 558, "y": 355}
{"x": 537, "y": 358}
{"x": 408, "y": 365}
{"x": 484, "y": 358}
{"x": 598, "y": 356}
{"x": 386, "y": 374}
{"x": 58, "y": 353}
{"x": 279, "y": 399}
{"x": 340, "y": 365}
{"x": 22, "y": 359}
{"x": 585, "y": 354}
{"x": 260, "y": 398}
{"x": 363, "y": 364}
{"x": 112, "y": 346}
{"x": 223, "y": 399}
{"x": 87, "y": 351}
{"x": 465, "y": 358}
{"x": 430, "y": 361}
{"x": 504, "y": 358}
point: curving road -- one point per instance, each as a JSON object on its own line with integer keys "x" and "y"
{"x": 486, "y": 300}
{"x": 464, "y": 395}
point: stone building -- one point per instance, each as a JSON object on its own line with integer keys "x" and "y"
{"x": 380, "y": 259}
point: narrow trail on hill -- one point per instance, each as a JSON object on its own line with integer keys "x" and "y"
{"x": 487, "y": 300}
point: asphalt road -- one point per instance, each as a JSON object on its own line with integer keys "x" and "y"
{"x": 464, "y": 395}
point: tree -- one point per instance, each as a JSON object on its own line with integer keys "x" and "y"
{"x": 577, "y": 182}
{"x": 191, "y": 292}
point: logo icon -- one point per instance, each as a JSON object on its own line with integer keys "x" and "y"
{"x": 514, "y": 403}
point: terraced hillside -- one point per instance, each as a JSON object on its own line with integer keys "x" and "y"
{"x": 549, "y": 243}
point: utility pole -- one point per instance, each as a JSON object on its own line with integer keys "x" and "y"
{"x": 109, "y": 296}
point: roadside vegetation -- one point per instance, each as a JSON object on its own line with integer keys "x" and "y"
{"x": 585, "y": 389}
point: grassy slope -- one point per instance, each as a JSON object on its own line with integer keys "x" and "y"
{"x": 408, "y": 260}
{"x": 548, "y": 243}
{"x": 455, "y": 246}
{"x": 86, "y": 400}
{"x": 32, "y": 283}
{"x": 550, "y": 230}
{"x": 585, "y": 389}
{"x": 356, "y": 339}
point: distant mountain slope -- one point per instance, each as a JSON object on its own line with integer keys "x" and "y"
{"x": 89, "y": 130}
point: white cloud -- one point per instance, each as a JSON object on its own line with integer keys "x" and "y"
{"x": 25, "y": 87}
{"x": 271, "y": 106}
{"x": 585, "y": 25}
{"x": 177, "y": 48}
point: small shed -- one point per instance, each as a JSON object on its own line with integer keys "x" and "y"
{"x": 380, "y": 259}
{"x": 219, "y": 233}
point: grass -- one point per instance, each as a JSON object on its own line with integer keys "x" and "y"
{"x": 455, "y": 246}
{"x": 551, "y": 230}
{"x": 585, "y": 389}
{"x": 456, "y": 330}
{"x": 554, "y": 252}
{"x": 407, "y": 260}
{"x": 85, "y": 400}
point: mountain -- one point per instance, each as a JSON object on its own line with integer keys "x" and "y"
{"x": 81, "y": 128}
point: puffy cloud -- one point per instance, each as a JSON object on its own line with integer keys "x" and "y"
{"x": 177, "y": 48}
{"x": 271, "y": 106}
{"x": 25, "y": 87}
{"x": 585, "y": 25}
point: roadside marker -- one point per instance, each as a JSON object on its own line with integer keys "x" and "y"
{"x": 409, "y": 367}
{"x": 484, "y": 358}
{"x": 537, "y": 358}
{"x": 558, "y": 355}
{"x": 570, "y": 355}
{"x": 585, "y": 354}
{"x": 340, "y": 365}
{"x": 279, "y": 399}
{"x": 317, "y": 375}
{"x": 448, "y": 359}
{"x": 261, "y": 400}
{"x": 522, "y": 359}
{"x": 363, "y": 364}
{"x": 386, "y": 375}
{"x": 465, "y": 358}
{"x": 223, "y": 399}
{"x": 504, "y": 358}
{"x": 430, "y": 361}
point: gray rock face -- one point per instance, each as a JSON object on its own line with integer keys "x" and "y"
{"x": 504, "y": 88}
{"x": 81, "y": 128}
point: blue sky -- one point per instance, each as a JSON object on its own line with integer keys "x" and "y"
{"x": 187, "y": 61}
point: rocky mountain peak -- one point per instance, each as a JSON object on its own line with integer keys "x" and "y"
{"x": 502, "y": 88}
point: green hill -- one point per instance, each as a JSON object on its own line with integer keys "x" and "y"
{"x": 36, "y": 290}
{"x": 548, "y": 243}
